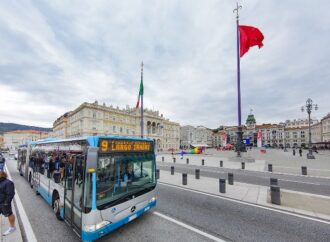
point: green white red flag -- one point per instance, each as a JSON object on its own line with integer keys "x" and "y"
{"x": 140, "y": 94}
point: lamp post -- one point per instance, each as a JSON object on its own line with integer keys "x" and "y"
{"x": 285, "y": 150}
{"x": 309, "y": 107}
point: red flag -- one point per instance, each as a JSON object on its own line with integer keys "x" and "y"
{"x": 249, "y": 36}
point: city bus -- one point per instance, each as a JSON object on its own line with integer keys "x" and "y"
{"x": 21, "y": 160}
{"x": 96, "y": 184}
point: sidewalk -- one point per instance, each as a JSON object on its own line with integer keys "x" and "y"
{"x": 15, "y": 236}
{"x": 239, "y": 191}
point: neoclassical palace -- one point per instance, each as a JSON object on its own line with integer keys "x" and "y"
{"x": 90, "y": 119}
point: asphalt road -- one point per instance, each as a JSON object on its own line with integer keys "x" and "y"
{"x": 320, "y": 186}
{"x": 224, "y": 219}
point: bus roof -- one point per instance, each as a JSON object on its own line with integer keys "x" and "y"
{"x": 92, "y": 140}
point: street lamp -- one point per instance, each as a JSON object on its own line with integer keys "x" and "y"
{"x": 309, "y": 107}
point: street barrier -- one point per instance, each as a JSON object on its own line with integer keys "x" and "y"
{"x": 273, "y": 181}
{"x": 184, "y": 178}
{"x": 187, "y": 161}
{"x": 197, "y": 173}
{"x": 157, "y": 174}
{"x": 222, "y": 185}
{"x": 243, "y": 165}
{"x": 221, "y": 163}
{"x": 270, "y": 167}
{"x": 231, "y": 178}
{"x": 172, "y": 170}
{"x": 202, "y": 162}
{"x": 304, "y": 170}
{"x": 275, "y": 195}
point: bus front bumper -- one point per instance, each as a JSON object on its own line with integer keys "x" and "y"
{"x": 88, "y": 236}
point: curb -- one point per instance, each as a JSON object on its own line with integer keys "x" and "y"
{"x": 22, "y": 218}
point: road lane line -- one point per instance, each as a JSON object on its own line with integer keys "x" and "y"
{"x": 188, "y": 227}
{"x": 30, "y": 236}
{"x": 249, "y": 204}
{"x": 311, "y": 183}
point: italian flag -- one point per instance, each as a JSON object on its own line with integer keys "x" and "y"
{"x": 140, "y": 94}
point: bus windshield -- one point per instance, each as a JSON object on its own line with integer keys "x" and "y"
{"x": 119, "y": 175}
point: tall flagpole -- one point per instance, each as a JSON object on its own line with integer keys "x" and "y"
{"x": 239, "y": 146}
{"x": 142, "y": 101}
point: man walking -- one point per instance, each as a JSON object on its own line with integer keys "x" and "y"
{"x": 7, "y": 192}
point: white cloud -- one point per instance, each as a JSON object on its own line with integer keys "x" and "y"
{"x": 60, "y": 54}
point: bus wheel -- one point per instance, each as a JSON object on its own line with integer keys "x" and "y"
{"x": 56, "y": 208}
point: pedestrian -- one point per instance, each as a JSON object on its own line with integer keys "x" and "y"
{"x": 294, "y": 151}
{"x": 7, "y": 192}
{"x": 300, "y": 151}
{"x": 2, "y": 162}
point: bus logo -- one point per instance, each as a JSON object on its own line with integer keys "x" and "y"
{"x": 133, "y": 209}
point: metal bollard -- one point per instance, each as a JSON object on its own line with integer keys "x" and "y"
{"x": 270, "y": 167}
{"x": 184, "y": 178}
{"x": 222, "y": 185}
{"x": 157, "y": 174}
{"x": 243, "y": 165}
{"x": 172, "y": 170}
{"x": 275, "y": 195}
{"x": 202, "y": 162}
{"x": 187, "y": 161}
{"x": 304, "y": 170}
{"x": 273, "y": 181}
{"x": 231, "y": 178}
{"x": 163, "y": 159}
{"x": 197, "y": 173}
{"x": 221, "y": 163}
{"x": 174, "y": 159}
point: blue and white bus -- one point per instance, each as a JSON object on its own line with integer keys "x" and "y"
{"x": 96, "y": 184}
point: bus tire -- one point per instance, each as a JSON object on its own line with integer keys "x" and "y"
{"x": 56, "y": 206}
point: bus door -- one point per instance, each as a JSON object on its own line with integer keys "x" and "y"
{"x": 74, "y": 184}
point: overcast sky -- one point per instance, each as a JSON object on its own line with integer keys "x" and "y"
{"x": 54, "y": 55}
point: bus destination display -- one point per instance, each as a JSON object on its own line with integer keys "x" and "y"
{"x": 107, "y": 145}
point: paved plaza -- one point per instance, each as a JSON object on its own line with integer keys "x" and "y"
{"x": 283, "y": 162}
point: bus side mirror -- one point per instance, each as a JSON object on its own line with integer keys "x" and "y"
{"x": 91, "y": 159}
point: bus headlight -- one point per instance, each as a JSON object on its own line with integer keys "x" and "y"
{"x": 93, "y": 227}
{"x": 152, "y": 199}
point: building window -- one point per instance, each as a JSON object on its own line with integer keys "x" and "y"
{"x": 121, "y": 129}
{"x": 302, "y": 134}
{"x": 94, "y": 115}
{"x": 114, "y": 128}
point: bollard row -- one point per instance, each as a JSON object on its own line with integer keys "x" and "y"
{"x": 157, "y": 174}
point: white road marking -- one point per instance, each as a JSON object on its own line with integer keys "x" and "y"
{"x": 30, "y": 236}
{"x": 279, "y": 179}
{"x": 249, "y": 204}
{"x": 189, "y": 227}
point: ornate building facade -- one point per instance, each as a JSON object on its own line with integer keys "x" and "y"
{"x": 190, "y": 136}
{"x": 15, "y": 138}
{"x": 325, "y": 123}
{"x": 91, "y": 119}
